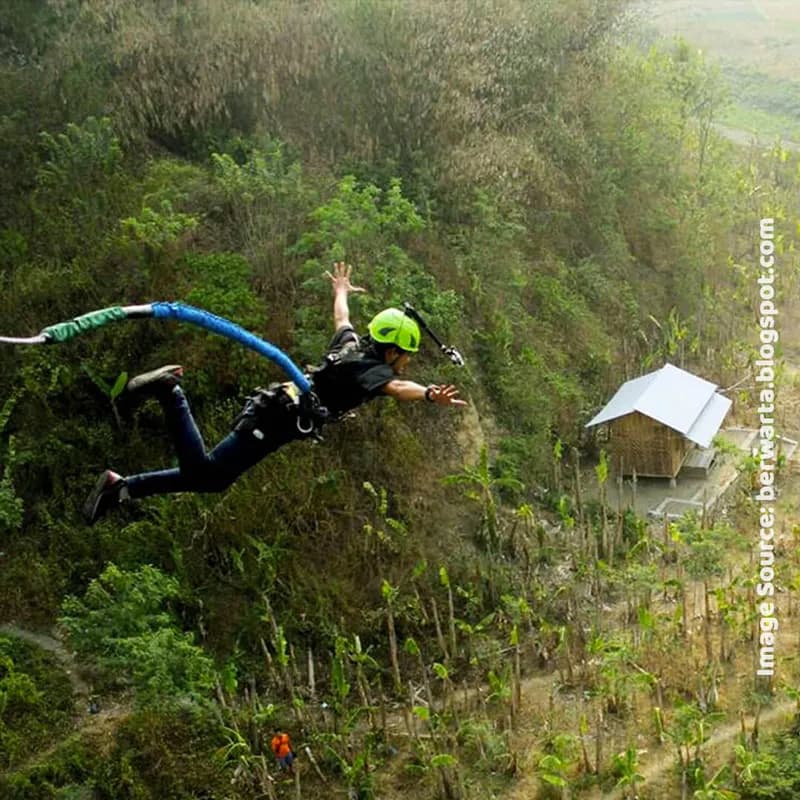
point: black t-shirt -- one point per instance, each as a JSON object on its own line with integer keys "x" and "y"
{"x": 357, "y": 375}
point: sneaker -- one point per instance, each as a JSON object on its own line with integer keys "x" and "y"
{"x": 156, "y": 381}
{"x": 105, "y": 495}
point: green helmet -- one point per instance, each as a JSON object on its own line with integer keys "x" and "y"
{"x": 394, "y": 327}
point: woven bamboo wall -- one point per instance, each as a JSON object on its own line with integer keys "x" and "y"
{"x": 642, "y": 444}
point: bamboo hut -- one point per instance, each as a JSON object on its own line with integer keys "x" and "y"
{"x": 657, "y": 419}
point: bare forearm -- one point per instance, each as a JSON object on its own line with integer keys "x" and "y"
{"x": 341, "y": 310}
{"x": 409, "y": 391}
{"x": 405, "y": 391}
{"x": 340, "y": 280}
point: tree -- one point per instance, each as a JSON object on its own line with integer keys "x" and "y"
{"x": 124, "y": 624}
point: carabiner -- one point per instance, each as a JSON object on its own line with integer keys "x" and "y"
{"x": 303, "y": 430}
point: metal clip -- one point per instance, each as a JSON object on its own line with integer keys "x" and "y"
{"x": 303, "y": 430}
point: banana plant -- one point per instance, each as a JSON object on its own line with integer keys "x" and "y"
{"x": 111, "y": 391}
{"x": 626, "y": 767}
{"x": 555, "y": 768}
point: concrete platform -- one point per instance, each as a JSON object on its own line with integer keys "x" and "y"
{"x": 674, "y": 509}
{"x": 710, "y": 474}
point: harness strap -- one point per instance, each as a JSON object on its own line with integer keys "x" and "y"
{"x": 304, "y": 408}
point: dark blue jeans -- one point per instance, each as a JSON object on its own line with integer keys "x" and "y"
{"x": 210, "y": 471}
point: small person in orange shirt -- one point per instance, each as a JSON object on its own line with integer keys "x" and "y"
{"x": 282, "y": 748}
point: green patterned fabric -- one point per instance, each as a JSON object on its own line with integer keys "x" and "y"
{"x": 63, "y": 331}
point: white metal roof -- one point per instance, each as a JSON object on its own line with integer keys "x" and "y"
{"x": 673, "y": 397}
{"x": 709, "y": 421}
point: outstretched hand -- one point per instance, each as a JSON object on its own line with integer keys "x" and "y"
{"x": 340, "y": 279}
{"x": 445, "y": 396}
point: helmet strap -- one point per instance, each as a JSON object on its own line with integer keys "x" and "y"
{"x": 400, "y": 354}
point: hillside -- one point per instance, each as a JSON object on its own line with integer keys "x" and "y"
{"x": 756, "y": 44}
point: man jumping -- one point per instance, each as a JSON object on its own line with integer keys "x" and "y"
{"x": 355, "y": 370}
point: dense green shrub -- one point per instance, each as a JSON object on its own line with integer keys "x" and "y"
{"x": 124, "y": 625}
{"x": 771, "y": 773}
{"x": 160, "y": 756}
{"x": 66, "y": 774}
{"x": 36, "y": 700}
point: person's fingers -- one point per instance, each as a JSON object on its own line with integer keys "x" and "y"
{"x": 448, "y": 396}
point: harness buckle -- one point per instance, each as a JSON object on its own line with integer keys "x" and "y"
{"x": 305, "y": 431}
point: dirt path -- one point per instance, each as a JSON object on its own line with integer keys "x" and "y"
{"x": 54, "y": 646}
{"x": 100, "y": 724}
{"x": 747, "y": 138}
{"x": 659, "y": 764}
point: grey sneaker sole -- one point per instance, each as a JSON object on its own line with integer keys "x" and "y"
{"x": 93, "y": 501}
{"x": 148, "y": 378}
